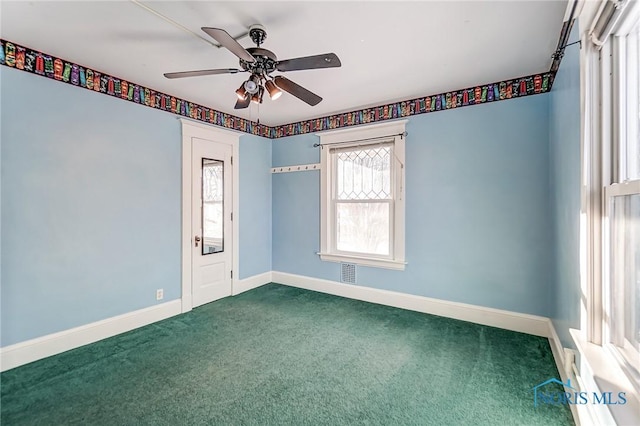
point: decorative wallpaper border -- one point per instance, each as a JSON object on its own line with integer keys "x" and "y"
{"x": 23, "y": 58}
{"x": 35, "y": 62}
{"x": 502, "y": 90}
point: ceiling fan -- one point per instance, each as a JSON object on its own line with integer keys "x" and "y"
{"x": 261, "y": 63}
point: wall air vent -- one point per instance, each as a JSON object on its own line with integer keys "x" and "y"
{"x": 348, "y": 273}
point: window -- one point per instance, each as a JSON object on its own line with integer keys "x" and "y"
{"x": 621, "y": 251}
{"x": 363, "y": 199}
{"x": 611, "y": 147}
{"x": 623, "y": 332}
{"x": 629, "y": 52}
{"x": 362, "y": 204}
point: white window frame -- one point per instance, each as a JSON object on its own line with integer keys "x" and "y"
{"x": 618, "y": 184}
{"x": 393, "y": 133}
{"x": 601, "y": 365}
{"x": 626, "y": 356}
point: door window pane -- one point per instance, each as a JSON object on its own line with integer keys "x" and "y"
{"x": 212, "y": 206}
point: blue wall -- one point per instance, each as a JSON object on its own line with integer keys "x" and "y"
{"x": 255, "y": 206}
{"x": 478, "y": 221}
{"x": 564, "y": 143}
{"x": 91, "y": 206}
{"x": 90, "y": 195}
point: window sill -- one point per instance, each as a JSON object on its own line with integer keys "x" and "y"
{"x": 364, "y": 261}
{"x": 600, "y": 372}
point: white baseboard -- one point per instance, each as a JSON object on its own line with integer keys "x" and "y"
{"x": 558, "y": 353}
{"x": 514, "y": 321}
{"x": 32, "y": 350}
{"x": 42, "y": 347}
{"x": 524, "y": 323}
{"x": 565, "y": 366}
{"x": 240, "y": 286}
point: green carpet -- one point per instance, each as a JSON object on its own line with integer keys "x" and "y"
{"x": 281, "y": 355}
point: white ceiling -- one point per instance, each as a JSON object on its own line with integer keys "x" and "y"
{"x": 390, "y": 51}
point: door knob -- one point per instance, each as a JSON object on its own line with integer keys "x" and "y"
{"x": 197, "y": 240}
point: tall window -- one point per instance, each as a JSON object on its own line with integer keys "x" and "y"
{"x": 612, "y": 199}
{"x": 622, "y": 206}
{"x": 362, "y": 195}
{"x": 363, "y": 199}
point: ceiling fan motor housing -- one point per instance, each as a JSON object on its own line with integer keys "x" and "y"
{"x": 266, "y": 60}
{"x": 265, "y": 63}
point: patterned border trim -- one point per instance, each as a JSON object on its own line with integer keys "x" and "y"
{"x": 35, "y": 62}
{"x": 503, "y": 90}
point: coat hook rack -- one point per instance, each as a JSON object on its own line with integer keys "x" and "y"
{"x": 298, "y": 168}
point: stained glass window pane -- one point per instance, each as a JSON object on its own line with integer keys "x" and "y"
{"x": 212, "y": 206}
{"x": 364, "y": 174}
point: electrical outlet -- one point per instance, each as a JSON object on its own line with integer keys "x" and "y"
{"x": 159, "y": 294}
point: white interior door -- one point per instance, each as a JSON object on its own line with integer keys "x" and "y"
{"x": 211, "y": 225}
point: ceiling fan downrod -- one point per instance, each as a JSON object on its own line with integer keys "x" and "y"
{"x": 258, "y": 34}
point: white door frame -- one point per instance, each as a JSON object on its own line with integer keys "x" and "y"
{"x": 192, "y": 129}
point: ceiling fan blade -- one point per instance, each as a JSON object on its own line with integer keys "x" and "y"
{"x": 223, "y": 37}
{"x": 243, "y": 103}
{"x": 327, "y": 60}
{"x": 198, "y": 73}
{"x": 297, "y": 90}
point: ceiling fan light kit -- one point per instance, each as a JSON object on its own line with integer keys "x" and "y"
{"x": 252, "y": 85}
{"x": 257, "y": 97}
{"x": 274, "y": 91}
{"x": 261, "y": 63}
{"x": 241, "y": 92}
